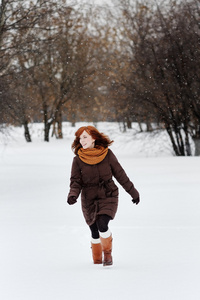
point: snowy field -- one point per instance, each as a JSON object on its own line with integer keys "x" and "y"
{"x": 45, "y": 244}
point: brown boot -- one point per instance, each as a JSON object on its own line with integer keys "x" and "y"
{"x": 97, "y": 252}
{"x": 107, "y": 250}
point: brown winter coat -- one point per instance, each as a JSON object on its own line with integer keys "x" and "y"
{"x": 99, "y": 194}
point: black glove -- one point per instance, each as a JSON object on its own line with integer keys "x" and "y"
{"x": 71, "y": 200}
{"x": 136, "y": 201}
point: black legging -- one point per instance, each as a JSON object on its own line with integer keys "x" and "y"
{"x": 101, "y": 225}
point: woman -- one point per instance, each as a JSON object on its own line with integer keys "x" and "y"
{"x": 91, "y": 174}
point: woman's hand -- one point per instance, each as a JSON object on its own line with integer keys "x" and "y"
{"x": 71, "y": 200}
{"x": 136, "y": 201}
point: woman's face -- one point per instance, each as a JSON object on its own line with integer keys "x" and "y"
{"x": 86, "y": 140}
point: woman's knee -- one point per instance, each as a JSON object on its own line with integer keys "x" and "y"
{"x": 102, "y": 222}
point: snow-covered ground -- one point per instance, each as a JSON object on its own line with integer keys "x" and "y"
{"x": 45, "y": 244}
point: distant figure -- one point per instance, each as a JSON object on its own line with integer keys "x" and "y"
{"x": 91, "y": 174}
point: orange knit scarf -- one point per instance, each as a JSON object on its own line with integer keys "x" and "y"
{"x": 92, "y": 156}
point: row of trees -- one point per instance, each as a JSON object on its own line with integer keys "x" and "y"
{"x": 47, "y": 58}
{"x": 164, "y": 45}
{"x": 140, "y": 62}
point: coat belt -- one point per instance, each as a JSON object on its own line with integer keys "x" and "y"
{"x": 101, "y": 183}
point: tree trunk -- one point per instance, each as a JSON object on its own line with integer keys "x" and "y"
{"x": 187, "y": 142}
{"x": 140, "y": 126}
{"x": 47, "y": 127}
{"x": 180, "y": 142}
{"x": 124, "y": 126}
{"x": 149, "y": 126}
{"x": 47, "y": 123}
{"x": 73, "y": 119}
{"x": 197, "y": 146}
{"x": 54, "y": 129}
{"x": 57, "y": 127}
{"x": 59, "y": 124}
{"x": 129, "y": 123}
{"x": 26, "y": 132}
{"x": 176, "y": 150}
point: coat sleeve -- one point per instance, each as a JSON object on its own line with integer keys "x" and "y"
{"x": 75, "y": 179}
{"x": 121, "y": 176}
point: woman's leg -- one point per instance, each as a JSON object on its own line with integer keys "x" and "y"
{"x": 94, "y": 231}
{"x": 106, "y": 238}
{"x": 96, "y": 244}
{"x": 102, "y": 222}
{"x": 101, "y": 240}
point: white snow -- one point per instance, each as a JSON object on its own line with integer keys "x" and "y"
{"x": 45, "y": 243}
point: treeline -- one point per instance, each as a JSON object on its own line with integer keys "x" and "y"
{"x": 165, "y": 67}
{"x": 138, "y": 62}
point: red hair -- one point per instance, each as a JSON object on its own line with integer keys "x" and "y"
{"x": 100, "y": 138}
